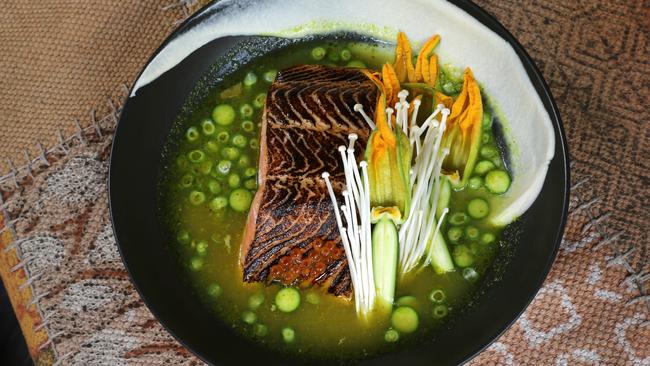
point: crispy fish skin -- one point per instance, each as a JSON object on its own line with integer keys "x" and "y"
{"x": 291, "y": 235}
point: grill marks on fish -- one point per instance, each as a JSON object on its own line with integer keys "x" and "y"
{"x": 291, "y": 236}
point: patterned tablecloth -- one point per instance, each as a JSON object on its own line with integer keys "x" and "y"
{"x": 58, "y": 258}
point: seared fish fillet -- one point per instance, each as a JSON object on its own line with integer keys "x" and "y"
{"x": 291, "y": 235}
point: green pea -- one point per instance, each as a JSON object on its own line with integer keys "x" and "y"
{"x": 183, "y": 237}
{"x": 248, "y": 126}
{"x": 250, "y": 172}
{"x": 250, "y": 79}
{"x": 261, "y": 330}
{"x": 208, "y": 127}
{"x": 202, "y": 248}
{"x": 196, "y": 198}
{"x": 234, "y": 180}
{"x": 212, "y": 146}
{"x": 357, "y": 64}
{"x": 182, "y": 163}
{"x": 246, "y": 110}
{"x": 223, "y": 136}
{"x": 187, "y": 180}
{"x": 288, "y": 334}
{"x": 240, "y": 199}
{"x": 346, "y": 55}
{"x": 214, "y": 290}
{"x": 391, "y": 336}
{"x": 489, "y": 151}
{"x": 251, "y": 184}
{"x": 463, "y": 256}
{"x": 239, "y": 140}
{"x": 214, "y": 186}
{"x": 259, "y": 100}
{"x": 487, "y": 238}
{"x": 224, "y": 166}
{"x": 223, "y": 114}
{"x": 318, "y": 53}
{"x": 206, "y": 167}
{"x": 192, "y": 134}
{"x": 230, "y": 153}
{"x": 255, "y": 301}
{"x": 312, "y": 298}
{"x": 254, "y": 144}
{"x": 196, "y": 156}
{"x": 244, "y": 161}
{"x": 249, "y": 317}
{"x": 270, "y": 75}
{"x": 475, "y": 182}
{"x": 196, "y": 263}
{"x": 218, "y": 203}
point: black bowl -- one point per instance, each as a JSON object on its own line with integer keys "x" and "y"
{"x": 140, "y": 142}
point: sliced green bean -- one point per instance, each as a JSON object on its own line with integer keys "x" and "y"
{"x": 239, "y": 140}
{"x": 196, "y": 156}
{"x": 206, "y": 167}
{"x": 246, "y": 110}
{"x": 486, "y": 138}
{"x": 254, "y": 144}
{"x": 212, "y": 146}
{"x": 247, "y": 126}
{"x": 218, "y": 203}
{"x": 261, "y": 330}
{"x": 455, "y": 234}
{"x": 196, "y": 198}
{"x": 250, "y": 79}
{"x": 259, "y": 100}
{"x": 472, "y": 232}
{"x": 244, "y": 161}
{"x": 223, "y": 136}
{"x": 346, "y": 55}
{"x": 437, "y": 296}
{"x": 192, "y": 134}
{"x": 223, "y": 114}
{"x": 208, "y": 127}
{"x": 312, "y": 297}
{"x": 318, "y": 53}
{"x": 440, "y": 311}
{"x": 224, "y": 166}
{"x": 489, "y": 151}
{"x": 458, "y": 218}
{"x": 187, "y": 180}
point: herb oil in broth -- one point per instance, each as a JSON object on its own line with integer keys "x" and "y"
{"x": 213, "y": 177}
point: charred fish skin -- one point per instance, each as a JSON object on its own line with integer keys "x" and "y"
{"x": 291, "y": 236}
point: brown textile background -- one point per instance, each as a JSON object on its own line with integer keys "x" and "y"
{"x": 75, "y": 303}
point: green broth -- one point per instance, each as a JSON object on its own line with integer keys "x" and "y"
{"x": 209, "y": 230}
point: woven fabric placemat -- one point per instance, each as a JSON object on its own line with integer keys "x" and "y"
{"x": 59, "y": 261}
